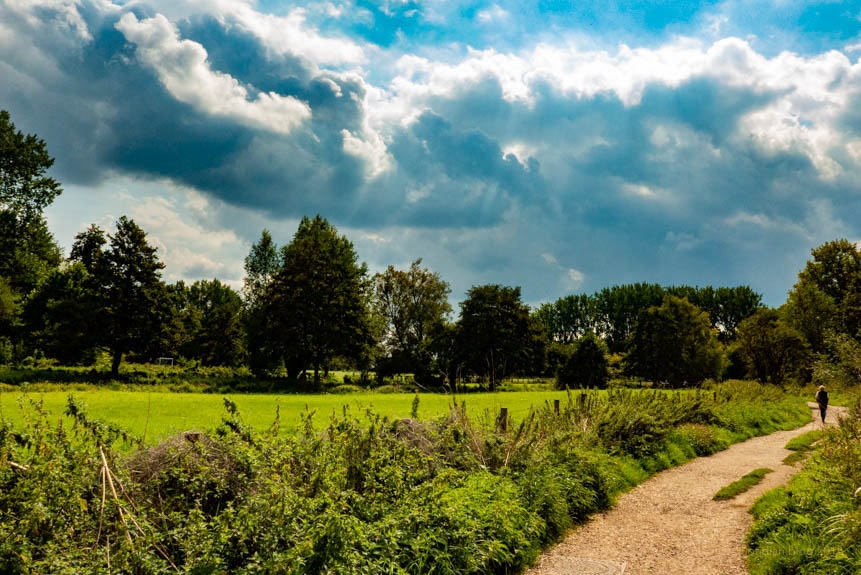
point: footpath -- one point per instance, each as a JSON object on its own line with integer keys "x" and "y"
{"x": 669, "y": 525}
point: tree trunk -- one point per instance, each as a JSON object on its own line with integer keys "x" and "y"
{"x": 115, "y": 363}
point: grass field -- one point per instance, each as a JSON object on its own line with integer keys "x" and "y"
{"x": 161, "y": 414}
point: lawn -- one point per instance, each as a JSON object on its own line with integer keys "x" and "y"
{"x": 161, "y": 414}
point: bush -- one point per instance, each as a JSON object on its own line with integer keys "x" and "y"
{"x": 441, "y": 496}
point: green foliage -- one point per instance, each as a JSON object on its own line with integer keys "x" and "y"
{"x": 587, "y": 366}
{"x": 840, "y": 365}
{"x": 131, "y": 305}
{"x": 60, "y": 317}
{"x": 27, "y": 249}
{"x": 24, "y": 188}
{"x": 316, "y": 306}
{"x": 357, "y": 496}
{"x": 703, "y": 439}
{"x": 828, "y": 292}
{"x": 813, "y": 525}
{"x": 739, "y": 486}
{"x": 261, "y": 265}
{"x": 211, "y": 314}
{"x": 413, "y": 305}
{"x": 494, "y": 332}
{"x": 569, "y": 318}
{"x": 674, "y": 343}
{"x": 771, "y": 350}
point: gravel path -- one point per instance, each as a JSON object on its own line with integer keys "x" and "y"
{"x": 669, "y": 525}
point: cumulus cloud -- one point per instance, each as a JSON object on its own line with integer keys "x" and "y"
{"x": 562, "y": 160}
{"x": 182, "y": 69}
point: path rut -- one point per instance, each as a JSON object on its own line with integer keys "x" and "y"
{"x": 669, "y": 525}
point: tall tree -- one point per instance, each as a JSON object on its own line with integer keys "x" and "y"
{"x": 813, "y": 313}
{"x": 619, "y": 307}
{"x": 495, "y": 331}
{"x": 569, "y": 317}
{"x": 261, "y": 265}
{"x": 412, "y": 303}
{"x": 674, "y": 342}
{"x": 27, "y": 250}
{"x": 587, "y": 366}
{"x": 773, "y": 351}
{"x": 836, "y": 271}
{"x": 60, "y": 317}
{"x": 317, "y": 304}
{"x": 212, "y": 316}
{"x": 125, "y": 284}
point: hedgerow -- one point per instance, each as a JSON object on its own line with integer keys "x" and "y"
{"x": 359, "y": 495}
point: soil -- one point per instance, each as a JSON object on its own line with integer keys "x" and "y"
{"x": 669, "y": 525}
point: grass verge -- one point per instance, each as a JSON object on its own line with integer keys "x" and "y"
{"x": 813, "y": 525}
{"x": 739, "y": 486}
{"x": 801, "y": 445}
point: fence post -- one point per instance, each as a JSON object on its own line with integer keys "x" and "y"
{"x": 556, "y": 406}
{"x": 502, "y": 422}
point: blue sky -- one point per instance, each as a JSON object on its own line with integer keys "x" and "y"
{"x": 557, "y": 145}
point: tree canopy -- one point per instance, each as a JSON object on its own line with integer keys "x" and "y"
{"x": 494, "y": 331}
{"x": 125, "y": 289}
{"x": 412, "y": 303}
{"x": 316, "y": 306}
{"x": 674, "y": 343}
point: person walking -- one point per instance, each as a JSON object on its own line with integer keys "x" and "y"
{"x": 822, "y": 400}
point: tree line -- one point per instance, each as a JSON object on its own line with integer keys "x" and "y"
{"x": 311, "y": 305}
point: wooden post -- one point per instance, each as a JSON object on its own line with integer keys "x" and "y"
{"x": 582, "y": 400}
{"x": 556, "y": 406}
{"x": 502, "y": 422}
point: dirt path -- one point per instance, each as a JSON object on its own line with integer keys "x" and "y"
{"x": 669, "y": 525}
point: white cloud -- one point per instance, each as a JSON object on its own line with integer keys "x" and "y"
{"x": 576, "y": 276}
{"x": 183, "y": 69}
{"x": 808, "y": 94}
{"x": 493, "y": 14}
{"x": 550, "y": 259}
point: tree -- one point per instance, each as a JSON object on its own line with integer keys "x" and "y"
{"x": 587, "y": 366}
{"x": 618, "y": 308}
{"x": 836, "y": 271}
{"x": 731, "y": 307}
{"x": 60, "y": 318}
{"x": 316, "y": 306}
{"x": 812, "y": 313}
{"x": 772, "y": 351}
{"x": 261, "y": 265}
{"x": 211, "y": 313}
{"x": 569, "y": 317}
{"x": 8, "y": 319}
{"x": 674, "y": 342}
{"x": 495, "y": 331}
{"x": 25, "y": 190}
{"x": 134, "y": 308}
{"x": 412, "y": 303}
{"x": 27, "y": 250}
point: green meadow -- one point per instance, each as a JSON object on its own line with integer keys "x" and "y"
{"x": 156, "y": 415}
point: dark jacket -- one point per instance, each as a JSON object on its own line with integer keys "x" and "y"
{"x": 822, "y": 398}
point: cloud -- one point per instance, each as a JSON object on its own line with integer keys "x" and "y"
{"x": 182, "y": 69}
{"x": 681, "y": 158}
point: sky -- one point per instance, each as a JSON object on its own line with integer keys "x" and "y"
{"x": 559, "y": 146}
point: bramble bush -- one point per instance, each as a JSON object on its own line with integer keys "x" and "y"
{"x": 359, "y": 495}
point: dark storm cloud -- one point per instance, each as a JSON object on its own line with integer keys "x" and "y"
{"x": 569, "y": 190}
